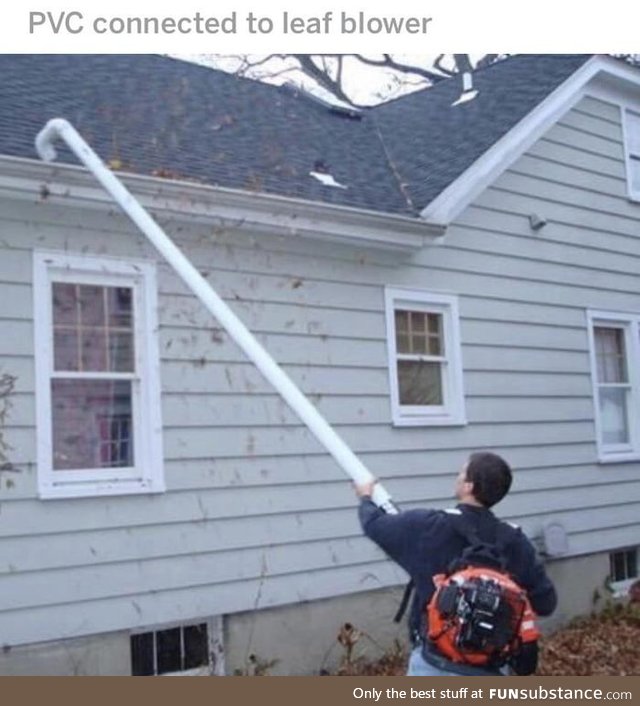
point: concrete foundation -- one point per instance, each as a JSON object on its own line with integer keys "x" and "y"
{"x": 580, "y": 582}
{"x": 298, "y": 639}
{"x": 302, "y": 639}
{"x": 97, "y": 655}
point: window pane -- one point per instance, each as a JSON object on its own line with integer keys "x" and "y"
{"x": 634, "y": 177}
{"x": 436, "y": 343}
{"x": 435, "y": 323}
{"x": 610, "y": 354}
{"x": 66, "y": 351}
{"x": 402, "y": 321}
{"x": 65, "y": 303}
{"x": 420, "y": 383}
{"x": 91, "y": 305}
{"x": 169, "y": 651}
{"x": 403, "y": 344}
{"x": 142, "y": 655}
{"x": 618, "y": 566}
{"x": 613, "y": 415}
{"x": 94, "y": 350}
{"x": 121, "y": 352}
{"x": 119, "y": 307}
{"x": 633, "y": 133}
{"x": 418, "y": 321}
{"x": 92, "y": 424}
{"x": 632, "y": 563}
{"x": 196, "y": 646}
{"x": 419, "y": 343}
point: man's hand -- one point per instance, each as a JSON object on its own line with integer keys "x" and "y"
{"x": 365, "y": 490}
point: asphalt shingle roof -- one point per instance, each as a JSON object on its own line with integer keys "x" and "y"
{"x": 433, "y": 142}
{"x": 156, "y": 115}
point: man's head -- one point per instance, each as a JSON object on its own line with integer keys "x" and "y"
{"x": 484, "y": 480}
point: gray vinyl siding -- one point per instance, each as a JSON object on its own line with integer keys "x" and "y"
{"x": 255, "y": 513}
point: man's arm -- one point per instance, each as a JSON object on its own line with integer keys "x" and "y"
{"x": 540, "y": 590}
{"x": 397, "y": 535}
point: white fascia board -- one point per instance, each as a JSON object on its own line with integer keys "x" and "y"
{"x": 459, "y": 194}
{"x": 71, "y": 185}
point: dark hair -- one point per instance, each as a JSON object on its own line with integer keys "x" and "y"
{"x": 491, "y": 477}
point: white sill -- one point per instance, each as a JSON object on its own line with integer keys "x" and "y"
{"x": 608, "y": 459}
{"x": 97, "y": 490}
{"x": 399, "y": 421}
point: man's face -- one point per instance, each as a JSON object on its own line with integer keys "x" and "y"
{"x": 463, "y": 487}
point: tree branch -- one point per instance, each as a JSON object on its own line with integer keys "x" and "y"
{"x": 331, "y": 72}
{"x": 390, "y": 63}
{"x": 323, "y": 79}
{"x": 463, "y": 63}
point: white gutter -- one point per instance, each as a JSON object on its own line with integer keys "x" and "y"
{"x": 185, "y": 201}
{"x": 346, "y": 459}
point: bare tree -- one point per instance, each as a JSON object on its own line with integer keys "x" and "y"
{"x": 334, "y": 74}
{"x": 339, "y": 77}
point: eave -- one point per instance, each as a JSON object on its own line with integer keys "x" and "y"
{"x": 184, "y": 201}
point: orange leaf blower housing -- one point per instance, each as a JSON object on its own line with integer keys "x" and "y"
{"x": 480, "y": 616}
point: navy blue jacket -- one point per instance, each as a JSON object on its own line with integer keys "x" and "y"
{"x": 425, "y": 542}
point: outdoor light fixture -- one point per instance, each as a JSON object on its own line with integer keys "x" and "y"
{"x": 536, "y": 221}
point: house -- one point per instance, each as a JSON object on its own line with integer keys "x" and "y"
{"x": 437, "y": 278}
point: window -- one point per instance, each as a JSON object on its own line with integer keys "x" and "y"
{"x": 176, "y": 650}
{"x": 98, "y": 399}
{"x": 624, "y": 565}
{"x": 425, "y": 365}
{"x": 615, "y": 358}
{"x": 623, "y": 571}
{"x": 632, "y": 152}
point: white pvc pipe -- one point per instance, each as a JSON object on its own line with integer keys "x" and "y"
{"x": 346, "y": 459}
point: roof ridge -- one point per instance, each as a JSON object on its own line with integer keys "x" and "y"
{"x": 446, "y": 81}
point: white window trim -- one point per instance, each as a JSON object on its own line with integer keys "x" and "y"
{"x": 630, "y": 323}
{"x": 452, "y": 413}
{"x": 147, "y": 475}
{"x": 634, "y": 195}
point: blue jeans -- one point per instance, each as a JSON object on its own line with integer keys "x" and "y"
{"x": 419, "y": 667}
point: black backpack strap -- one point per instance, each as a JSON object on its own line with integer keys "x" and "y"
{"x": 402, "y": 608}
{"x": 489, "y": 552}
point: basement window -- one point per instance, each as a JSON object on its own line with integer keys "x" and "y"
{"x": 632, "y": 153}
{"x": 183, "y": 650}
{"x": 623, "y": 570}
{"x": 98, "y": 393}
{"x": 425, "y": 366}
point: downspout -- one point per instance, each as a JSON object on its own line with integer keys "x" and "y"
{"x": 319, "y": 427}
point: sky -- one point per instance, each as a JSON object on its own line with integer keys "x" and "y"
{"x": 366, "y": 85}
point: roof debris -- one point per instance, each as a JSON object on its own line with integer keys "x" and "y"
{"x": 327, "y": 180}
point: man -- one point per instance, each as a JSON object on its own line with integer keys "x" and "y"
{"x": 425, "y": 542}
